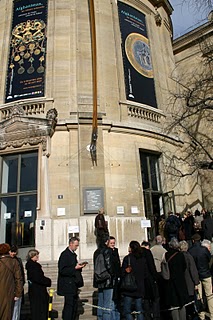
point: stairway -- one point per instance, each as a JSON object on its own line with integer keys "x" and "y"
{"x": 88, "y": 295}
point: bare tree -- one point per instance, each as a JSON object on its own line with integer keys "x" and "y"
{"x": 190, "y": 114}
{"x": 203, "y": 6}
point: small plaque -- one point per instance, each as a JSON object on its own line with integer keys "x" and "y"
{"x": 120, "y": 209}
{"x": 134, "y": 210}
{"x": 60, "y": 212}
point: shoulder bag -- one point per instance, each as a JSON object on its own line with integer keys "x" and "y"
{"x": 165, "y": 273}
{"x": 128, "y": 283}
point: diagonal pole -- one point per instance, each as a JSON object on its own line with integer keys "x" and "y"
{"x": 94, "y": 136}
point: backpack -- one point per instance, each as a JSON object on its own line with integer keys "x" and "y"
{"x": 100, "y": 272}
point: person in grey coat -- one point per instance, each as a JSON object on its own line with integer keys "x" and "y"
{"x": 191, "y": 275}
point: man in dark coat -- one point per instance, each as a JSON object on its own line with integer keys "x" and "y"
{"x": 151, "y": 298}
{"x": 172, "y": 226}
{"x": 69, "y": 279}
{"x": 207, "y": 227}
{"x": 202, "y": 256}
{"x": 176, "y": 291}
{"x": 117, "y": 275}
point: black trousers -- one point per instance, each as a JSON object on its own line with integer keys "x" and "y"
{"x": 70, "y": 307}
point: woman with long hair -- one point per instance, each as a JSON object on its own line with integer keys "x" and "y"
{"x": 134, "y": 262}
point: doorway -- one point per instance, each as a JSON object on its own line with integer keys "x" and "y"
{"x": 151, "y": 190}
{"x": 18, "y": 198}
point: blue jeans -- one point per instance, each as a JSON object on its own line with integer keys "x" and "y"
{"x": 137, "y": 307}
{"x": 17, "y": 309}
{"x": 105, "y": 301}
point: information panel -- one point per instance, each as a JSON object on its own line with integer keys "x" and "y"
{"x": 93, "y": 200}
{"x": 137, "y": 62}
{"x": 26, "y": 63}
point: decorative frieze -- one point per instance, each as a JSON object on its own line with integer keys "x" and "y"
{"x": 18, "y": 129}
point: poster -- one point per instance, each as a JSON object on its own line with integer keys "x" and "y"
{"x": 138, "y": 70}
{"x": 27, "y": 57}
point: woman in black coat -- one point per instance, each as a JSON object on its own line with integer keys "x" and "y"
{"x": 138, "y": 267}
{"x": 176, "y": 291}
{"x": 38, "y": 284}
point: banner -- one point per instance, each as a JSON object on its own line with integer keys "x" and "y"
{"x": 137, "y": 62}
{"x": 26, "y": 64}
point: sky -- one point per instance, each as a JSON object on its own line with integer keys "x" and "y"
{"x": 186, "y": 17}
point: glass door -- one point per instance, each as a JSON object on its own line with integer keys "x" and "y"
{"x": 18, "y": 198}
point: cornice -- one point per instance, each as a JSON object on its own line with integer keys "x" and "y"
{"x": 163, "y": 3}
{"x": 193, "y": 37}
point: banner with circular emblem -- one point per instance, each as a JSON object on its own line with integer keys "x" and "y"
{"x": 138, "y": 70}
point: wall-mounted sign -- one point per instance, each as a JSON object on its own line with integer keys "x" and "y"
{"x": 26, "y": 63}
{"x": 145, "y": 223}
{"x": 120, "y": 209}
{"x": 27, "y": 214}
{"x": 60, "y": 212}
{"x": 134, "y": 210}
{"x": 73, "y": 229}
{"x": 7, "y": 215}
{"x": 93, "y": 199}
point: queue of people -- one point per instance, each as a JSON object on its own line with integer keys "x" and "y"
{"x": 154, "y": 297}
{"x": 135, "y": 287}
{"x": 184, "y": 226}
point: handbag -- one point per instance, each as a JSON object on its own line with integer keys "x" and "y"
{"x": 165, "y": 272}
{"x": 199, "y": 303}
{"x": 128, "y": 283}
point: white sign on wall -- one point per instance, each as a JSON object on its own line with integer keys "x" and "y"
{"x": 60, "y": 212}
{"x": 120, "y": 209}
{"x": 73, "y": 229}
{"x": 7, "y": 215}
{"x": 145, "y": 223}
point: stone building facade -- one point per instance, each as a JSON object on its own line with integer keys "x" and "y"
{"x": 54, "y": 55}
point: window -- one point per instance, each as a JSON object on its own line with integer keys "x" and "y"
{"x": 18, "y": 198}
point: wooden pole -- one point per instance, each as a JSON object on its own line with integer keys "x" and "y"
{"x": 94, "y": 81}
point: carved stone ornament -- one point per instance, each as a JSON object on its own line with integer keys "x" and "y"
{"x": 20, "y": 130}
{"x": 158, "y": 18}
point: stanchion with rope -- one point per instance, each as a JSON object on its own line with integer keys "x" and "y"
{"x": 51, "y": 316}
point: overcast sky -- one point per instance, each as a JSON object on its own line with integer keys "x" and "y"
{"x": 185, "y": 17}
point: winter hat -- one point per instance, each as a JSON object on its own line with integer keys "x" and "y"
{"x": 196, "y": 237}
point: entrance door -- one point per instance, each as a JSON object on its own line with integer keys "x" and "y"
{"x": 18, "y": 199}
{"x": 151, "y": 190}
